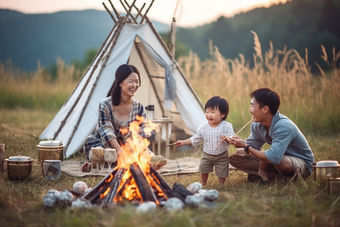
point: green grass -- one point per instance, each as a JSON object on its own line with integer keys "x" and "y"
{"x": 240, "y": 203}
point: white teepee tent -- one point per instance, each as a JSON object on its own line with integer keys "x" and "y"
{"x": 135, "y": 41}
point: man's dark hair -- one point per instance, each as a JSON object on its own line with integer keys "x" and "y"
{"x": 220, "y": 103}
{"x": 122, "y": 73}
{"x": 267, "y": 97}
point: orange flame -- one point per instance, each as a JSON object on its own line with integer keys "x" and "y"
{"x": 135, "y": 150}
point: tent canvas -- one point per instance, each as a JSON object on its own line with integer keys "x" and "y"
{"x": 136, "y": 44}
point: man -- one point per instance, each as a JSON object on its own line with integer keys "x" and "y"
{"x": 289, "y": 154}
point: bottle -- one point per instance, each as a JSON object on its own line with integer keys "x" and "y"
{"x": 151, "y": 109}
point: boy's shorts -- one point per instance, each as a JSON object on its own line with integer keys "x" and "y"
{"x": 221, "y": 163}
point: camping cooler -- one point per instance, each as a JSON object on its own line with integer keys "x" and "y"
{"x": 50, "y": 150}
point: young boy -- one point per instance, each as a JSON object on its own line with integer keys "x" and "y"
{"x": 215, "y": 134}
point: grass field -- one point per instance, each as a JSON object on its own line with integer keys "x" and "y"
{"x": 28, "y": 102}
{"x": 240, "y": 203}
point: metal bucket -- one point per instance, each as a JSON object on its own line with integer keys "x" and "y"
{"x": 50, "y": 153}
{"x": 50, "y": 150}
{"x": 325, "y": 169}
{"x": 333, "y": 186}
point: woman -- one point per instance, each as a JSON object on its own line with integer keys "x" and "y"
{"x": 117, "y": 111}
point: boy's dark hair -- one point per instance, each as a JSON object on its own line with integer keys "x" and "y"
{"x": 220, "y": 103}
{"x": 122, "y": 73}
{"x": 267, "y": 97}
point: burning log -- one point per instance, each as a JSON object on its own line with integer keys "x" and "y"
{"x": 157, "y": 177}
{"x": 99, "y": 185}
{"x": 142, "y": 184}
{"x": 110, "y": 187}
{"x": 113, "y": 186}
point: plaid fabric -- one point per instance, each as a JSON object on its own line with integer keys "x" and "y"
{"x": 108, "y": 126}
{"x": 212, "y": 137}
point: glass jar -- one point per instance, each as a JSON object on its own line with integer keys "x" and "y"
{"x": 52, "y": 169}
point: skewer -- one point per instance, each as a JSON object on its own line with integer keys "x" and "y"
{"x": 243, "y": 127}
{"x": 170, "y": 145}
{"x": 236, "y": 132}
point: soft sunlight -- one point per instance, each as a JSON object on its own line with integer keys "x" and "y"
{"x": 189, "y": 12}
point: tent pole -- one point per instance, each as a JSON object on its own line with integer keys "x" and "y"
{"x": 109, "y": 13}
{"x": 145, "y": 15}
{"x": 128, "y": 12}
{"x": 83, "y": 89}
{"x": 114, "y": 9}
{"x": 178, "y": 68}
{"x": 138, "y": 11}
{"x": 114, "y": 41}
{"x": 173, "y": 47}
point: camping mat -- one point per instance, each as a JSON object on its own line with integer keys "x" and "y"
{"x": 174, "y": 166}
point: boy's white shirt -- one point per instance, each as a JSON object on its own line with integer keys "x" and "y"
{"x": 211, "y": 137}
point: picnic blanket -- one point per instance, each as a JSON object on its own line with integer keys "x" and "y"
{"x": 174, "y": 166}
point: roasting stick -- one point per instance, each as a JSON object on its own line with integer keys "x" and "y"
{"x": 236, "y": 132}
{"x": 170, "y": 145}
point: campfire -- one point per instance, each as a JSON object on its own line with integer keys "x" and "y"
{"x": 134, "y": 179}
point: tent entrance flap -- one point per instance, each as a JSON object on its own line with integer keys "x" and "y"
{"x": 152, "y": 89}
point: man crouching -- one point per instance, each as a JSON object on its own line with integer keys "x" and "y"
{"x": 289, "y": 154}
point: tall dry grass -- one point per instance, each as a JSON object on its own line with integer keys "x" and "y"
{"x": 37, "y": 89}
{"x": 308, "y": 99}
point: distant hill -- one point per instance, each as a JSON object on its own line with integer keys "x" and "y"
{"x": 27, "y": 38}
{"x": 297, "y": 24}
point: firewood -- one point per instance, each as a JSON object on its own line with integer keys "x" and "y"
{"x": 159, "y": 179}
{"x": 112, "y": 183}
{"x": 114, "y": 186}
{"x": 175, "y": 194}
{"x": 127, "y": 182}
{"x": 181, "y": 190}
{"x": 142, "y": 184}
{"x": 159, "y": 186}
{"x": 99, "y": 185}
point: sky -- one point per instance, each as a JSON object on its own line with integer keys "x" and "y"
{"x": 188, "y": 13}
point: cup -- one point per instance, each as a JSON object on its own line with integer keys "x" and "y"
{"x": 97, "y": 158}
{"x": 52, "y": 169}
{"x": 110, "y": 156}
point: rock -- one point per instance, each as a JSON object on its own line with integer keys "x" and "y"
{"x": 193, "y": 201}
{"x": 80, "y": 187}
{"x": 146, "y": 207}
{"x": 51, "y": 198}
{"x": 174, "y": 204}
{"x": 194, "y": 187}
{"x": 81, "y": 203}
{"x": 208, "y": 195}
{"x": 65, "y": 198}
